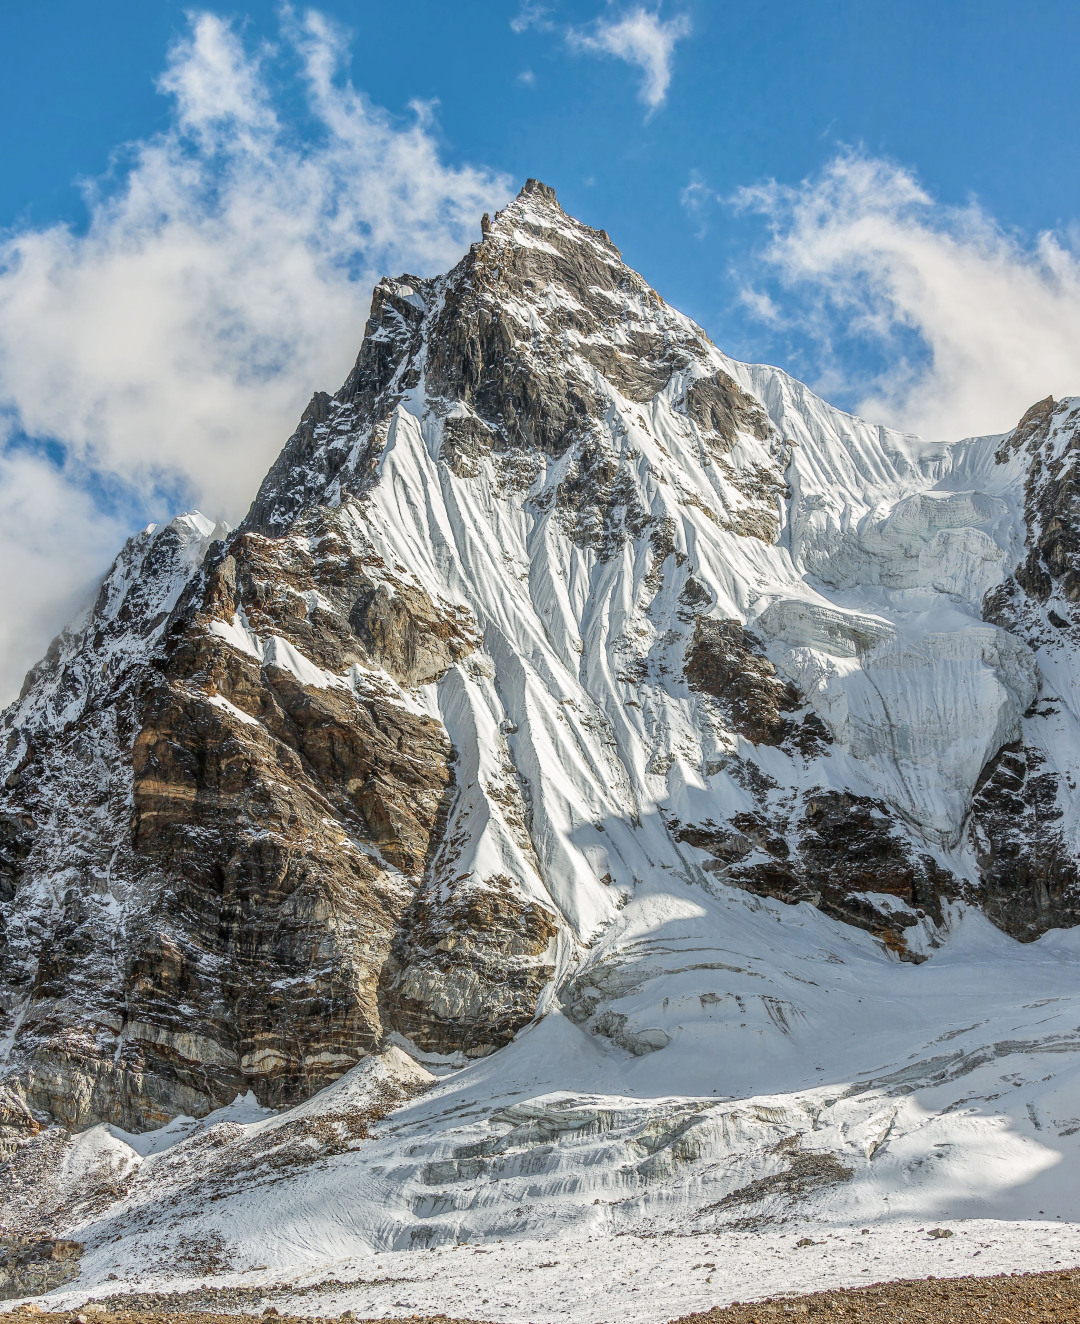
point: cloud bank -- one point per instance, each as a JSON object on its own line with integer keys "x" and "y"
{"x": 642, "y": 39}
{"x": 165, "y": 353}
{"x": 969, "y": 323}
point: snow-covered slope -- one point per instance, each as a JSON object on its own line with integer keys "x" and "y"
{"x": 811, "y": 1088}
{"x": 617, "y": 729}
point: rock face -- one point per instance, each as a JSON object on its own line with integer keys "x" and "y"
{"x": 550, "y": 601}
{"x": 277, "y": 818}
{"x": 30, "y": 1266}
{"x": 1022, "y": 826}
{"x": 729, "y": 663}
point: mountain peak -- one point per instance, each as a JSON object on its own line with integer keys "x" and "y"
{"x": 522, "y": 334}
{"x": 536, "y": 210}
{"x": 565, "y": 674}
{"x": 533, "y": 188}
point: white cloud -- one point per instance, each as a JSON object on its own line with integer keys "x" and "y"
{"x": 53, "y": 544}
{"x": 531, "y": 15}
{"x": 695, "y": 199}
{"x": 224, "y": 275}
{"x": 696, "y": 193}
{"x": 971, "y": 323}
{"x": 640, "y": 38}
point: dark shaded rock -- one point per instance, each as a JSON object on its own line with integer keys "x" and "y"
{"x": 1029, "y": 873}
{"x": 520, "y": 387}
{"x": 519, "y": 391}
{"x": 850, "y": 843}
{"x": 842, "y": 847}
{"x": 16, "y": 838}
{"x": 1030, "y": 877}
{"x": 728, "y": 662}
{"x": 1051, "y": 566}
{"x": 466, "y": 444}
{"x": 1053, "y": 559}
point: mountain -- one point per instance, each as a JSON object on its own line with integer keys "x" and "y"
{"x": 612, "y": 728}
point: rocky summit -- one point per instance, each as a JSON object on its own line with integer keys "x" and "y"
{"x": 596, "y": 788}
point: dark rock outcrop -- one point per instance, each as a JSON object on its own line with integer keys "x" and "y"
{"x": 1017, "y": 829}
{"x": 728, "y": 662}
{"x": 279, "y": 824}
{"x": 840, "y": 848}
{"x": 1050, "y": 440}
{"x": 1029, "y": 875}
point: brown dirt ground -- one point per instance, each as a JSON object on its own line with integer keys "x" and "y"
{"x": 1006, "y": 1299}
{"x": 1052, "y": 1298}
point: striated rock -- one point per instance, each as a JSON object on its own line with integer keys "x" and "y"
{"x": 31, "y": 1266}
{"x": 728, "y": 662}
{"x": 467, "y": 971}
{"x": 280, "y": 817}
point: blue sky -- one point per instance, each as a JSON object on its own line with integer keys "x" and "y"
{"x": 195, "y": 199}
{"x": 977, "y": 98}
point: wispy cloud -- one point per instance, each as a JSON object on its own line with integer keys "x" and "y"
{"x": 224, "y": 275}
{"x": 54, "y": 543}
{"x": 532, "y": 15}
{"x": 696, "y": 198}
{"x": 969, "y": 323}
{"x": 641, "y": 38}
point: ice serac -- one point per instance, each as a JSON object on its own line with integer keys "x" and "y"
{"x": 552, "y": 632}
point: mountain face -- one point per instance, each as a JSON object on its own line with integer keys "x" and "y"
{"x": 552, "y": 626}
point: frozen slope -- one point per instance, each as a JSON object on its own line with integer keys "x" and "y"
{"x": 851, "y": 1092}
{"x": 585, "y": 572}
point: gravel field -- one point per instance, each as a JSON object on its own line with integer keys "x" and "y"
{"x": 1004, "y": 1299}
{"x": 1007, "y": 1299}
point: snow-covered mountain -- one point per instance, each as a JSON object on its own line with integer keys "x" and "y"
{"x": 614, "y": 728}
